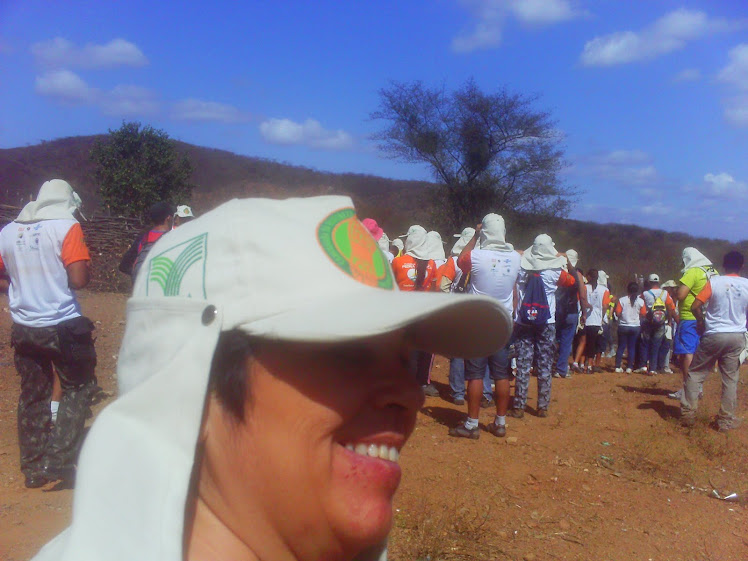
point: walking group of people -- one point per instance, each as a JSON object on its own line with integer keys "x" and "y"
{"x": 263, "y": 417}
{"x": 564, "y": 318}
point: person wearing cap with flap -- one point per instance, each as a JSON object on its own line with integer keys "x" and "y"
{"x": 568, "y": 311}
{"x": 260, "y": 417}
{"x": 542, "y": 268}
{"x": 44, "y": 258}
{"x": 493, "y": 271}
{"x": 697, "y": 270}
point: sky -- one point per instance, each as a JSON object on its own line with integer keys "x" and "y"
{"x": 651, "y": 97}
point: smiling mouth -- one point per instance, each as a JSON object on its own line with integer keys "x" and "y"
{"x": 381, "y": 451}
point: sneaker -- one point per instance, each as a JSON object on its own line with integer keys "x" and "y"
{"x": 628, "y": 371}
{"x": 597, "y": 369}
{"x": 543, "y": 413}
{"x": 485, "y": 402}
{"x": 576, "y": 368}
{"x": 517, "y": 413}
{"x": 497, "y": 430}
{"x": 653, "y": 373}
{"x": 668, "y": 370}
{"x": 458, "y": 401}
{"x": 618, "y": 370}
{"x": 676, "y": 395}
{"x": 430, "y": 390}
{"x": 565, "y": 375}
{"x": 642, "y": 370}
{"x": 462, "y": 431}
{"x": 556, "y": 375}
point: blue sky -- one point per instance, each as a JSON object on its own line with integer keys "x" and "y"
{"x": 652, "y": 97}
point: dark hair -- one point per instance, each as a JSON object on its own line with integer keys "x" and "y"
{"x": 159, "y": 212}
{"x": 632, "y": 289}
{"x": 733, "y": 261}
{"x": 592, "y": 276}
{"x": 228, "y": 372}
{"x": 422, "y": 266}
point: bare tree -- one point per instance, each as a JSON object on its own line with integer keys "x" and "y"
{"x": 493, "y": 152}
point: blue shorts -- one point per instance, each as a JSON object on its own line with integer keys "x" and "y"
{"x": 686, "y": 338}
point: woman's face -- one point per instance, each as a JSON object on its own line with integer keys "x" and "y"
{"x": 313, "y": 468}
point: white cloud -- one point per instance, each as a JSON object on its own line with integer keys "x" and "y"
{"x": 736, "y": 110}
{"x": 735, "y": 75}
{"x": 309, "y": 133}
{"x": 736, "y": 71}
{"x": 688, "y": 75}
{"x": 490, "y": 16}
{"x": 198, "y": 110}
{"x": 129, "y": 101}
{"x": 626, "y": 167}
{"x": 669, "y": 33}
{"x": 61, "y": 53}
{"x": 65, "y": 86}
{"x": 723, "y": 186}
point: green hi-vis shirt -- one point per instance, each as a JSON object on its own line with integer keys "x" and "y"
{"x": 695, "y": 279}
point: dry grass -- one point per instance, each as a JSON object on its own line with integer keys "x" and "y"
{"x": 437, "y": 530}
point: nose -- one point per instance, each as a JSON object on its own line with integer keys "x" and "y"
{"x": 399, "y": 388}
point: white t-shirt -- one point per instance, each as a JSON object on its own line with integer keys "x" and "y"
{"x": 494, "y": 274}
{"x": 550, "y": 283}
{"x": 595, "y": 300}
{"x": 727, "y": 307}
{"x": 630, "y": 314}
{"x": 32, "y": 254}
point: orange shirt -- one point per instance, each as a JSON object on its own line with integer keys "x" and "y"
{"x": 404, "y": 268}
{"x": 448, "y": 271}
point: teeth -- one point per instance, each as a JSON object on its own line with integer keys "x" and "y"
{"x": 382, "y": 451}
{"x": 393, "y": 455}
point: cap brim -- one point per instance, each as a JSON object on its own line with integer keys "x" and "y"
{"x": 450, "y": 325}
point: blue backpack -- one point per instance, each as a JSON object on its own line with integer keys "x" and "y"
{"x": 534, "y": 309}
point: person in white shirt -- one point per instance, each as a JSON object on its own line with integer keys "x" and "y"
{"x": 45, "y": 259}
{"x": 628, "y": 311}
{"x": 493, "y": 271}
{"x": 720, "y": 310}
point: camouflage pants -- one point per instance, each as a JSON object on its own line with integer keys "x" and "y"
{"x": 68, "y": 348}
{"x": 534, "y": 344}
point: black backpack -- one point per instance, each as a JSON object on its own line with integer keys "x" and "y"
{"x": 567, "y": 302}
{"x": 534, "y": 309}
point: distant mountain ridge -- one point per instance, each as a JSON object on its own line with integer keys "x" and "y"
{"x": 620, "y": 250}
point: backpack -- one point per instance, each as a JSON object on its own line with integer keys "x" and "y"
{"x": 567, "y": 302}
{"x": 534, "y": 309}
{"x": 657, "y": 314}
{"x": 462, "y": 286}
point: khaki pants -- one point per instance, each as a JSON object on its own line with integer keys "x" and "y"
{"x": 725, "y": 348}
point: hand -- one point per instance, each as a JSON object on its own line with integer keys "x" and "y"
{"x": 479, "y": 227}
{"x": 700, "y": 327}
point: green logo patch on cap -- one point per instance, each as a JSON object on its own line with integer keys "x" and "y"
{"x": 351, "y": 247}
{"x": 184, "y": 262}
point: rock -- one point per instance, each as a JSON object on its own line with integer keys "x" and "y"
{"x": 511, "y": 440}
{"x": 503, "y": 534}
{"x": 529, "y": 557}
{"x": 564, "y": 525}
{"x": 586, "y": 488}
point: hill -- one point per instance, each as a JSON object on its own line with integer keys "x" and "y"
{"x": 621, "y": 250}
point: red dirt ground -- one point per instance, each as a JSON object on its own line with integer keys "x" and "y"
{"x": 608, "y": 476}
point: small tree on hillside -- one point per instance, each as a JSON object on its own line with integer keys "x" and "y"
{"x": 492, "y": 151}
{"x": 137, "y": 167}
